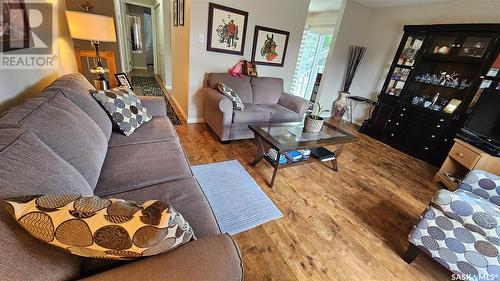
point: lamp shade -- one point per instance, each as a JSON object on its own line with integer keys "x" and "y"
{"x": 86, "y": 26}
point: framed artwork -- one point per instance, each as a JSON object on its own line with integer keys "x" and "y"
{"x": 175, "y": 12}
{"x": 181, "y": 12}
{"x": 227, "y": 28}
{"x": 14, "y": 25}
{"x": 123, "y": 80}
{"x": 269, "y": 46}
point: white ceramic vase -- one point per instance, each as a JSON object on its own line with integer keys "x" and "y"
{"x": 340, "y": 106}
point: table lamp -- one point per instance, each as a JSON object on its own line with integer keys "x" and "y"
{"x": 96, "y": 28}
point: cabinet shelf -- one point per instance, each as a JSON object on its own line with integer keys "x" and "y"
{"x": 442, "y": 86}
{"x": 448, "y": 59}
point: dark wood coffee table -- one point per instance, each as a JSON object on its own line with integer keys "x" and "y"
{"x": 285, "y": 137}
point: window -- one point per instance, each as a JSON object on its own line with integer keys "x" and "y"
{"x": 312, "y": 59}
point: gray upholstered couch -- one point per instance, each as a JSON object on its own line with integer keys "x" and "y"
{"x": 265, "y": 102}
{"x": 61, "y": 142}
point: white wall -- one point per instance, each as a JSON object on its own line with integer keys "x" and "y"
{"x": 350, "y": 30}
{"x": 164, "y": 45}
{"x": 380, "y": 30}
{"x": 327, "y": 18}
{"x": 16, "y": 85}
{"x": 289, "y": 15}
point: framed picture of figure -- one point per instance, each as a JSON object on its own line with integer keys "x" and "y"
{"x": 227, "y": 28}
{"x": 123, "y": 80}
{"x": 14, "y": 25}
{"x": 269, "y": 46}
{"x": 181, "y": 12}
{"x": 175, "y": 12}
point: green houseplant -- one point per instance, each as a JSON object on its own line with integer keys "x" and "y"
{"x": 314, "y": 122}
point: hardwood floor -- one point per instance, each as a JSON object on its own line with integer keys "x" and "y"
{"x": 346, "y": 225}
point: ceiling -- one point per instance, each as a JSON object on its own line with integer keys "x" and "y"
{"x": 332, "y": 5}
{"x": 324, "y": 5}
{"x": 392, "y": 3}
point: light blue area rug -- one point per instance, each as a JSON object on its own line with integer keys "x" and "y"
{"x": 236, "y": 199}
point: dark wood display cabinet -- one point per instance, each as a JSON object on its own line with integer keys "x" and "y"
{"x": 434, "y": 77}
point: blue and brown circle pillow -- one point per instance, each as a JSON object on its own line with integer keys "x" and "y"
{"x": 101, "y": 228}
{"x": 124, "y": 107}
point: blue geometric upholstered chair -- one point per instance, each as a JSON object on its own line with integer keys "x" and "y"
{"x": 461, "y": 229}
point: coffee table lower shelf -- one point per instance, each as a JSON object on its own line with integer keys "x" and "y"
{"x": 282, "y": 137}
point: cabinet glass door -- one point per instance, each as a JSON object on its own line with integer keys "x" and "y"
{"x": 474, "y": 46}
{"x": 412, "y": 46}
{"x": 443, "y": 45}
{"x": 492, "y": 77}
{"x": 397, "y": 81}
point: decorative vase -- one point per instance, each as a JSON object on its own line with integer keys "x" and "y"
{"x": 312, "y": 125}
{"x": 340, "y": 106}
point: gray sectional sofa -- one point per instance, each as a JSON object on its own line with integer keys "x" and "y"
{"x": 265, "y": 102}
{"x": 61, "y": 142}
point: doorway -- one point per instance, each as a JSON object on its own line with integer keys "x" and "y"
{"x": 140, "y": 38}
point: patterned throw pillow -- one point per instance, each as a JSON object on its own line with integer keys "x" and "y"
{"x": 101, "y": 228}
{"x": 124, "y": 108}
{"x": 231, "y": 94}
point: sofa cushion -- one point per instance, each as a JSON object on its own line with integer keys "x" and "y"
{"x": 263, "y": 113}
{"x": 28, "y": 166}
{"x": 253, "y": 113}
{"x": 214, "y": 258}
{"x": 66, "y": 129}
{"x": 94, "y": 227}
{"x": 186, "y": 196}
{"x": 124, "y": 107}
{"x": 280, "y": 113}
{"x": 76, "y": 87}
{"x": 232, "y": 95}
{"x": 134, "y": 166}
{"x": 241, "y": 85}
{"x": 158, "y": 129}
{"x": 266, "y": 90}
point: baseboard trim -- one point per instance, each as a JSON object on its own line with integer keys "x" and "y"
{"x": 178, "y": 107}
{"x": 140, "y": 67}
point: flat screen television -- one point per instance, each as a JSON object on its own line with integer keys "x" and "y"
{"x": 484, "y": 121}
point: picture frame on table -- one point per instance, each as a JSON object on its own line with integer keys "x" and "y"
{"x": 227, "y": 28}
{"x": 123, "y": 80}
{"x": 175, "y": 12}
{"x": 14, "y": 26}
{"x": 269, "y": 46}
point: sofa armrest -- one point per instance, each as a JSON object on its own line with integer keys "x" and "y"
{"x": 156, "y": 106}
{"x": 294, "y": 103}
{"x": 217, "y": 112}
{"x": 211, "y": 258}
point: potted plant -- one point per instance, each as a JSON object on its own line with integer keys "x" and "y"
{"x": 314, "y": 122}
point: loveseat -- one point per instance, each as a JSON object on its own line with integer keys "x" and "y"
{"x": 264, "y": 99}
{"x": 461, "y": 229}
{"x": 61, "y": 142}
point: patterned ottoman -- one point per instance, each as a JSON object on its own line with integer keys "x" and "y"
{"x": 461, "y": 229}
